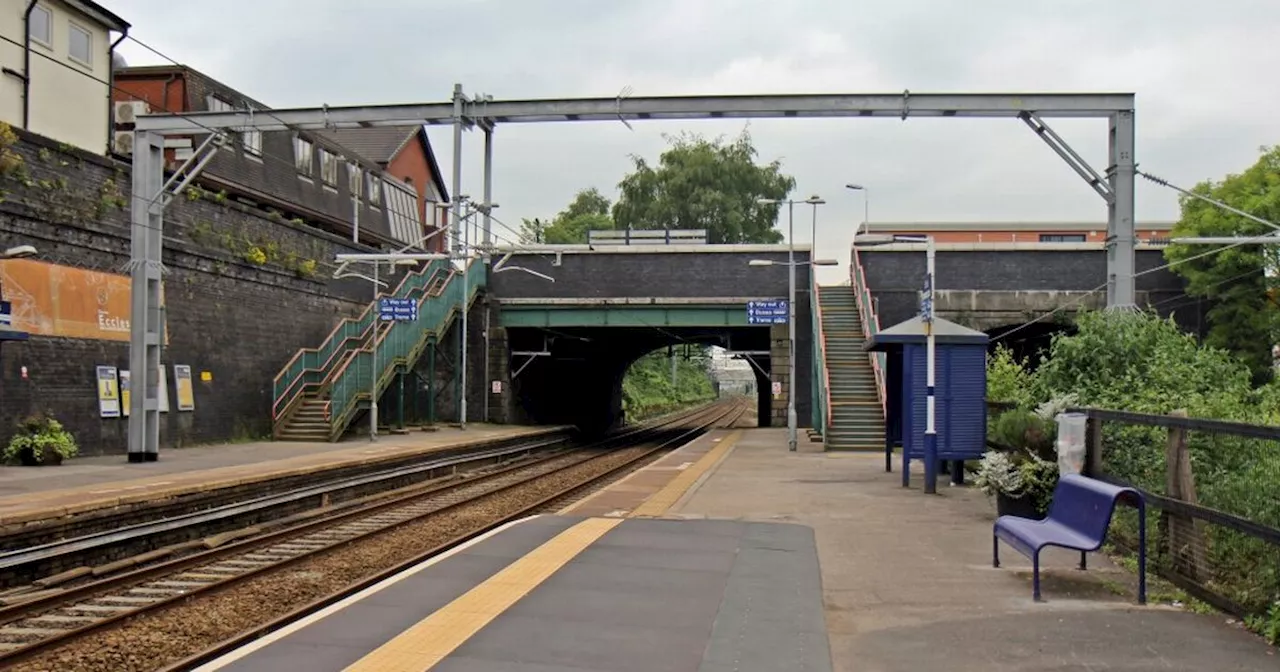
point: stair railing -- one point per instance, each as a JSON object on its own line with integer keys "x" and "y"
{"x": 822, "y": 418}
{"x": 310, "y": 368}
{"x": 870, "y": 323}
{"x": 401, "y": 344}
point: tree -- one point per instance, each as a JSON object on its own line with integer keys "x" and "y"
{"x": 1245, "y": 318}
{"x": 705, "y": 184}
{"x": 588, "y": 211}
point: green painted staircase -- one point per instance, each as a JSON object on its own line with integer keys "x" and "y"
{"x": 320, "y": 391}
{"x": 857, "y": 416}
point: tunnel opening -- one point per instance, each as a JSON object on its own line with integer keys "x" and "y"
{"x": 575, "y": 375}
{"x": 1028, "y": 342}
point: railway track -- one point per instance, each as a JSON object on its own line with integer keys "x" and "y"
{"x": 447, "y": 514}
{"x": 38, "y": 562}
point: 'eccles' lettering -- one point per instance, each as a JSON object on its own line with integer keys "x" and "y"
{"x": 107, "y": 322}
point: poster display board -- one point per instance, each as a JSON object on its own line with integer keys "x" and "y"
{"x": 186, "y": 393}
{"x": 108, "y": 392}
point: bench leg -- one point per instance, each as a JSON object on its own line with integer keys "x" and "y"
{"x": 995, "y": 551}
{"x": 1035, "y": 576}
{"x": 1084, "y": 564}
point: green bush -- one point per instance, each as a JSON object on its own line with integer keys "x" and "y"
{"x": 40, "y": 433}
{"x": 647, "y": 389}
{"x": 1007, "y": 379}
{"x": 1141, "y": 363}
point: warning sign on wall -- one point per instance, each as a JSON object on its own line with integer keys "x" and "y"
{"x": 777, "y": 389}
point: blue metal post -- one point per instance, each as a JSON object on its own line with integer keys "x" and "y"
{"x": 930, "y": 430}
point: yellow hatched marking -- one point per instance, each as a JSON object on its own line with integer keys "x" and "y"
{"x": 428, "y": 641}
{"x": 664, "y": 499}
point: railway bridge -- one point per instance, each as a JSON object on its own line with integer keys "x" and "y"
{"x": 553, "y": 329}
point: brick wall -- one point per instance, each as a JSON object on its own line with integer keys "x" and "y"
{"x": 237, "y": 319}
{"x": 896, "y": 276}
{"x": 710, "y": 274}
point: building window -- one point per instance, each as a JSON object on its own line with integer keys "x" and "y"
{"x": 253, "y": 141}
{"x": 303, "y": 155}
{"x": 80, "y": 46}
{"x": 1062, "y": 237}
{"x": 402, "y": 213}
{"x": 375, "y": 191}
{"x": 355, "y": 180}
{"x": 329, "y": 168}
{"x": 217, "y": 104}
{"x": 40, "y": 26}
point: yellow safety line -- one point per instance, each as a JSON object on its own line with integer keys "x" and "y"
{"x": 664, "y": 499}
{"x": 428, "y": 641}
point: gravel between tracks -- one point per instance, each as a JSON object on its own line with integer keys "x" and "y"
{"x": 154, "y": 640}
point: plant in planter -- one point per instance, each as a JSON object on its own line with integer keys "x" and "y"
{"x": 40, "y": 439}
{"x": 1022, "y": 471}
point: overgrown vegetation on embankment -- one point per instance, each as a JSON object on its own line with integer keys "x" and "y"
{"x": 1142, "y": 364}
{"x": 647, "y": 390}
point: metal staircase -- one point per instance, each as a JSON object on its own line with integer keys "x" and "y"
{"x": 856, "y": 414}
{"x": 318, "y": 393}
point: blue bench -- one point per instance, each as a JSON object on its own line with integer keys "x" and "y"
{"x": 1078, "y": 520}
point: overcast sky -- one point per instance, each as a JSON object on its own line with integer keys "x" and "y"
{"x": 1203, "y": 74}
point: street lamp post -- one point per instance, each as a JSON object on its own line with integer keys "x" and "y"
{"x": 815, "y": 201}
{"x": 463, "y": 250}
{"x": 791, "y": 310}
{"x": 927, "y": 316}
{"x": 866, "y": 206}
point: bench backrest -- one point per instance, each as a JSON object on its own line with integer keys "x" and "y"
{"x": 1085, "y": 504}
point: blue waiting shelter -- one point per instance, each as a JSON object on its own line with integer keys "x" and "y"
{"x": 960, "y": 406}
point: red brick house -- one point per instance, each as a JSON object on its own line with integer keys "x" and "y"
{"x": 376, "y": 184}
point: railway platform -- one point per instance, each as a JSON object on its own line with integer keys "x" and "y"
{"x": 733, "y": 554}
{"x": 34, "y": 494}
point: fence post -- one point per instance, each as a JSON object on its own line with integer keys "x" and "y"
{"x": 1093, "y": 447}
{"x": 1184, "y": 535}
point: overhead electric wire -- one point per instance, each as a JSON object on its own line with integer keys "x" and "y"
{"x": 1215, "y": 250}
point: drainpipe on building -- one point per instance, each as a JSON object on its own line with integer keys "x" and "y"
{"x": 111, "y": 87}
{"x": 26, "y": 65}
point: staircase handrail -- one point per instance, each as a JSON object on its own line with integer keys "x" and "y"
{"x": 290, "y": 383}
{"x": 354, "y": 353}
{"x": 870, "y": 323}
{"x": 399, "y": 345}
{"x": 824, "y": 376}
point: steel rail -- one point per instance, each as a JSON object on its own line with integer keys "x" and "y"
{"x": 97, "y": 591}
{"x": 251, "y": 634}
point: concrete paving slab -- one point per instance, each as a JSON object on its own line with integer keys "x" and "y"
{"x": 908, "y": 583}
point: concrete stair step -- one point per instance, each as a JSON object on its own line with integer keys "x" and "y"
{"x": 309, "y": 438}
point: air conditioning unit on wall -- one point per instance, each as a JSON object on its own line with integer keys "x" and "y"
{"x": 127, "y": 111}
{"x": 122, "y": 143}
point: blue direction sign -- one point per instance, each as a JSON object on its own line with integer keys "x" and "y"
{"x": 398, "y": 309}
{"x": 6, "y": 313}
{"x": 767, "y": 312}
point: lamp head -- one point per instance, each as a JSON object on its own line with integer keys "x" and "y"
{"x": 19, "y": 252}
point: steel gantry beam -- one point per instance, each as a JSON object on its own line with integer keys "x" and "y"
{"x": 902, "y": 105}
{"x": 463, "y": 112}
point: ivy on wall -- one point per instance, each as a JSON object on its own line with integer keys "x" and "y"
{"x": 58, "y": 199}
{"x": 257, "y": 250}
